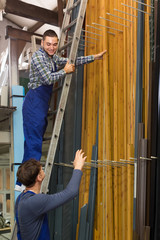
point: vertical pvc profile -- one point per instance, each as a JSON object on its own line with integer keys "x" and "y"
{"x": 18, "y": 136}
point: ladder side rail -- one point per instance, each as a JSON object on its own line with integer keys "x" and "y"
{"x": 55, "y": 133}
{"x": 77, "y": 32}
{"x": 14, "y": 232}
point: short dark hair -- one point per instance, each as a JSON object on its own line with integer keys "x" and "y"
{"x": 28, "y": 172}
{"x": 49, "y": 33}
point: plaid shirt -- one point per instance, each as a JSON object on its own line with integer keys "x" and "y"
{"x": 45, "y": 70}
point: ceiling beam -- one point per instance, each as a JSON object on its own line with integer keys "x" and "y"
{"x": 32, "y": 12}
{"x": 35, "y": 27}
{"x": 60, "y": 12}
{"x": 19, "y": 34}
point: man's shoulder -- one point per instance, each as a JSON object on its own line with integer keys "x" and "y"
{"x": 39, "y": 53}
{"x": 27, "y": 199}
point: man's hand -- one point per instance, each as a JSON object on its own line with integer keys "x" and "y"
{"x": 79, "y": 160}
{"x": 69, "y": 68}
{"x": 99, "y": 55}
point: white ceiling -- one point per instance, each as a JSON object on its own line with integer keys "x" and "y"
{"x": 27, "y": 23}
{"x": 48, "y": 4}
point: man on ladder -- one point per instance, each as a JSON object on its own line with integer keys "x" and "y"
{"x": 44, "y": 72}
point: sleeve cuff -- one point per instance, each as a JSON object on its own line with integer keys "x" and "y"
{"x": 78, "y": 171}
{"x": 62, "y": 72}
{"x": 92, "y": 57}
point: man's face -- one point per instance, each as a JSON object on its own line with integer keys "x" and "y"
{"x": 50, "y": 45}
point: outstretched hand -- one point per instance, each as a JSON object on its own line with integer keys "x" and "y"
{"x": 79, "y": 160}
{"x": 99, "y": 55}
{"x": 69, "y": 68}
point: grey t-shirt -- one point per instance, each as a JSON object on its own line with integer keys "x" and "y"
{"x": 32, "y": 207}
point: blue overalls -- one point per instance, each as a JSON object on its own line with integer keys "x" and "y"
{"x": 44, "y": 233}
{"x": 35, "y": 109}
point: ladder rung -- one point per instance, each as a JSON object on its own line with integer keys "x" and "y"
{"x": 69, "y": 25}
{"x": 73, "y": 6}
{"x": 65, "y": 46}
{"x": 46, "y": 139}
{"x": 56, "y": 89}
{"x": 50, "y": 113}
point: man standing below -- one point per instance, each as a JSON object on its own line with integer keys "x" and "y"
{"x": 31, "y": 206}
{"x": 44, "y": 72}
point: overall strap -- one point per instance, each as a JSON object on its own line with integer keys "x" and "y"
{"x": 55, "y": 67}
{"x": 18, "y": 228}
{"x": 44, "y": 233}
